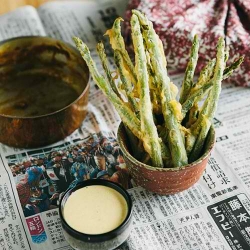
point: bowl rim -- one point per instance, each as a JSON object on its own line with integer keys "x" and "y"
{"x": 83, "y": 93}
{"x": 121, "y": 129}
{"x": 94, "y": 238}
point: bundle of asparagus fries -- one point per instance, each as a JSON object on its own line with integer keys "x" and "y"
{"x": 172, "y": 132}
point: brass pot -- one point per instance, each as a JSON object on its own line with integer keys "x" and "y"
{"x": 52, "y": 58}
{"x": 164, "y": 180}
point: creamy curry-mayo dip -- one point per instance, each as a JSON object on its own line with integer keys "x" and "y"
{"x": 95, "y": 209}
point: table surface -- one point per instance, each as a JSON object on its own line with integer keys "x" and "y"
{"x": 8, "y": 5}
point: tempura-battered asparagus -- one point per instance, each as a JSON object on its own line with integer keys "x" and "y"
{"x": 175, "y": 142}
{"x": 205, "y": 75}
{"x": 101, "y": 51}
{"x": 152, "y": 105}
{"x": 188, "y": 104}
{"x": 154, "y": 93}
{"x": 189, "y": 74}
{"x": 211, "y": 102}
{"x": 199, "y": 142}
{"x": 209, "y": 107}
{"x": 230, "y": 69}
{"x": 117, "y": 43}
{"x": 193, "y": 115}
{"x": 127, "y": 85}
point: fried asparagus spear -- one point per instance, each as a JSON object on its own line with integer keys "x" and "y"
{"x": 205, "y": 75}
{"x": 117, "y": 43}
{"x": 148, "y": 128}
{"x": 101, "y": 52}
{"x": 193, "y": 115}
{"x": 189, "y": 73}
{"x": 127, "y": 85}
{"x": 230, "y": 69}
{"x": 192, "y": 99}
{"x": 199, "y": 142}
{"x": 211, "y": 102}
{"x": 210, "y": 105}
{"x": 175, "y": 141}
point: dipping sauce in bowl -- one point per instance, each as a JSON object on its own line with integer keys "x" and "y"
{"x": 101, "y": 208}
{"x": 96, "y": 214}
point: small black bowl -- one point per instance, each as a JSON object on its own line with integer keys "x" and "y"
{"x": 105, "y": 241}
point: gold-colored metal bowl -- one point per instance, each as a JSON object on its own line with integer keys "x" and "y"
{"x": 40, "y": 58}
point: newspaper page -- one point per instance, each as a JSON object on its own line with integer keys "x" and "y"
{"x": 213, "y": 214}
{"x": 21, "y": 22}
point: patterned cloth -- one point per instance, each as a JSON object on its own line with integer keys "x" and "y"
{"x": 176, "y": 22}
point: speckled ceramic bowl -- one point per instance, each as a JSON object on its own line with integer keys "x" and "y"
{"x": 165, "y": 180}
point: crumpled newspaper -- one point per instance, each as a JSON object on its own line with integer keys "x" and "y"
{"x": 177, "y": 21}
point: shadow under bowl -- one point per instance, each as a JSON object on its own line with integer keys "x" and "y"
{"x": 45, "y": 73}
{"x": 165, "y": 180}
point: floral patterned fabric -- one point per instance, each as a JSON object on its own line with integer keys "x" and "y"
{"x": 176, "y": 22}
